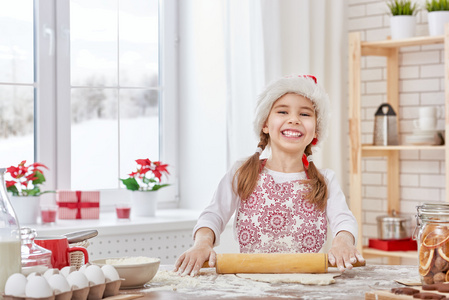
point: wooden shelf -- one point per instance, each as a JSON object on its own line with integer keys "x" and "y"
{"x": 369, "y": 150}
{"x": 402, "y": 147}
{"x": 415, "y": 41}
{"x": 367, "y": 252}
{"x": 390, "y": 50}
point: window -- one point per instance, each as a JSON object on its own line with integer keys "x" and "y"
{"x": 104, "y": 94}
{"x": 114, "y": 89}
{"x": 17, "y": 84}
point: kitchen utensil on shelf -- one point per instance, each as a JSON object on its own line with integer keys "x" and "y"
{"x": 232, "y": 263}
{"x": 385, "y": 126}
{"x": 423, "y": 137}
{"x": 59, "y": 246}
{"x": 10, "y": 259}
{"x": 79, "y": 236}
{"x": 433, "y": 112}
{"x": 393, "y": 227}
{"x": 425, "y": 124}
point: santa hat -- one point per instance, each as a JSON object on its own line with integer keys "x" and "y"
{"x": 304, "y": 85}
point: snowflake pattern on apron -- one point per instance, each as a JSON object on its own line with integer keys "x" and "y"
{"x": 278, "y": 218}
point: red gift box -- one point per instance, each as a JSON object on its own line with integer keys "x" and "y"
{"x": 78, "y": 204}
{"x": 393, "y": 245}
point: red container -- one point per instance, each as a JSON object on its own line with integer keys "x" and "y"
{"x": 48, "y": 216}
{"x": 123, "y": 212}
{"x": 59, "y": 247}
{"x": 394, "y": 245}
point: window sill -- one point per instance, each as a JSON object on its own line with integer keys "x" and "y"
{"x": 108, "y": 224}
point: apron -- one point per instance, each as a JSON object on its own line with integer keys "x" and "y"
{"x": 277, "y": 218}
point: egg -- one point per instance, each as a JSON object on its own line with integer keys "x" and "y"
{"x": 94, "y": 274}
{"x": 59, "y": 284}
{"x": 38, "y": 287}
{"x": 32, "y": 274}
{"x": 83, "y": 267}
{"x": 67, "y": 270}
{"x": 77, "y": 280}
{"x": 50, "y": 272}
{"x": 110, "y": 273}
{"x": 15, "y": 285}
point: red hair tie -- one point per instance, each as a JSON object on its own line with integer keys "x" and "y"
{"x": 306, "y": 160}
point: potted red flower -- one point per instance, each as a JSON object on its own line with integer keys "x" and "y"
{"x": 25, "y": 191}
{"x": 144, "y": 182}
{"x": 26, "y": 179}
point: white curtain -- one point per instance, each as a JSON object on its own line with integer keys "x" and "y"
{"x": 245, "y": 73}
{"x": 229, "y": 50}
{"x": 267, "y": 39}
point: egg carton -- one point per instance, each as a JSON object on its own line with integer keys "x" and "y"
{"x": 89, "y": 283}
{"x": 94, "y": 292}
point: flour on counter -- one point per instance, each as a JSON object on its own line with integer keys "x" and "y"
{"x": 315, "y": 279}
{"x": 351, "y": 284}
{"x": 208, "y": 283}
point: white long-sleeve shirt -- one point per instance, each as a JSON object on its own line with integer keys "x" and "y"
{"x": 225, "y": 203}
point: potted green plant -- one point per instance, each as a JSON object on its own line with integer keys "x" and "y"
{"x": 403, "y": 18}
{"x": 438, "y": 15}
{"x": 144, "y": 184}
{"x": 25, "y": 191}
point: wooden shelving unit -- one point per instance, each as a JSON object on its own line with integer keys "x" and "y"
{"x": 390, "y": 50}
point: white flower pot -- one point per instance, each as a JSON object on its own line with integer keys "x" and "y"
{"x": 437, "y": 19}
{"x": 144, "y": 204}
{"x": 26, "y": 208}
{"x": 402, "y": 27}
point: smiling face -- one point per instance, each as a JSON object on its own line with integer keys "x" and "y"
{"x": 291, "y": 124}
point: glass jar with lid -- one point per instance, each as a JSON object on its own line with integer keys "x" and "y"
{"x": 10, "y": 260}
{"x": 432, "y": 235}
{"x": 34, "y": 257}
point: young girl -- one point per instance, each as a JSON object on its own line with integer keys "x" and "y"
{"x": 283, "y": 203}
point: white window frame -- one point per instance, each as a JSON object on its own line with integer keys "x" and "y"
{"x": 53, "y": 96}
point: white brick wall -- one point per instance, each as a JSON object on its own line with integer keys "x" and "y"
{"x": 421, "y": 82}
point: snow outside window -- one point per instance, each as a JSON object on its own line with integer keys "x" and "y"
{"x": 88, "y": 87}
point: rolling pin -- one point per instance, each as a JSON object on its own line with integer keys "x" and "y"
{"x": 233, "y": 263}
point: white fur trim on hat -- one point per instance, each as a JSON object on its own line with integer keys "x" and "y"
{"x": 298, "y": 84}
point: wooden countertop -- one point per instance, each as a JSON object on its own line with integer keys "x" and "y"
{"x": 352, "y": 284}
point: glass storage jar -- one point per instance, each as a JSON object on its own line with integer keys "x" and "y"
{"x": 9, "y": 237}
{"x": 432, "y": 235}
{"x": 34, "y": 257}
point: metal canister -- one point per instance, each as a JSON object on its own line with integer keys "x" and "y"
{"x": 385, "y": 126}
{"x": 432, "y": 235}
{"x": 393, "y": 227}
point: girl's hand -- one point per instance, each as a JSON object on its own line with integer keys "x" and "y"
{"x": 343, "y": 253}
{"x": 191, "y": 261}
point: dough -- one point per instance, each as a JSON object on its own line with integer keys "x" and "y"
{"x": 317, "y": 279}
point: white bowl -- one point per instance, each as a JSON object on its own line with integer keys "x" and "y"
{"x": 135, "y": 275}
